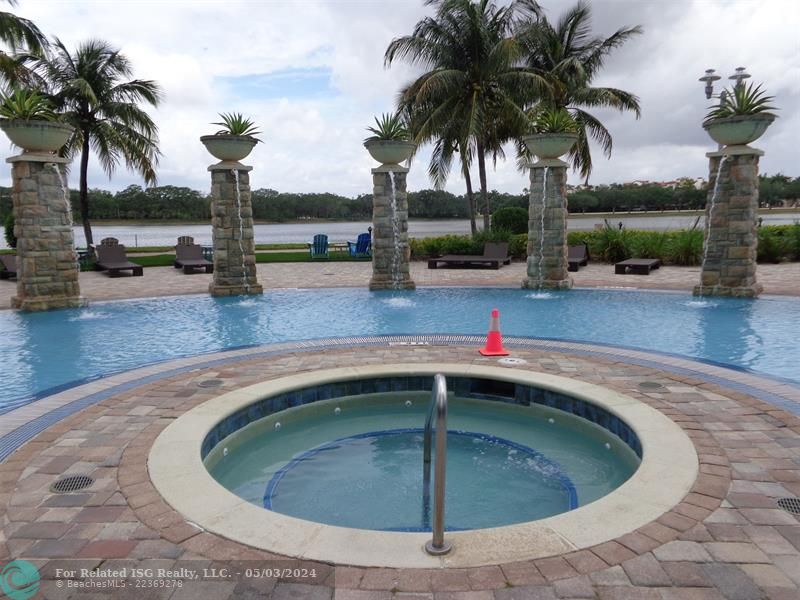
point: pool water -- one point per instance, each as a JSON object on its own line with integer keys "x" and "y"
{"x": 40, "y": 351}
{"x": 361, "y": 465}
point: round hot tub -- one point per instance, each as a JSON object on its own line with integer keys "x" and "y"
{"x": 357, "y": 460}
{"x": 328, "y": 465}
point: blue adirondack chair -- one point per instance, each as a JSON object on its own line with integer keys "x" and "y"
{"x": 319, "y": 247}
{"x": 362, "y": 247}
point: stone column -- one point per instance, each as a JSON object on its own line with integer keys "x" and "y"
{"x": 390, "y": 250}
{"x": 731, "y": 234}
{"x": 47, "y": 264}
{"x": 232, "y": 231}
{"x": 547, "y": 227}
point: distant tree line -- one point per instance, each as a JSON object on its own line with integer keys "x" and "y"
{"x": 173, "y": 203}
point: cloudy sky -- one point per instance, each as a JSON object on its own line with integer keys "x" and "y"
{"x": 310, "y": 72}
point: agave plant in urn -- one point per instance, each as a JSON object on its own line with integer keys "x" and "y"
{"x": 29, "y": 121}
{"x": 741, "y": 117}
{"x": 554, "y": 133}
{"x": 389, "y": 143}
{"x": 235, "y": 141}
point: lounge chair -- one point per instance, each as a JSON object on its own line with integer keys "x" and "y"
{"x": 494, "y": 255}
{"x": 362, "y": 247}
{"x": 8, "y": 266}
{"x": 636, "y": 266}
{"x": 189, "y": 257}
{"x": 577, "y": 257}
{"x": 111, "y": 257}
{"x": 319, "y": 247}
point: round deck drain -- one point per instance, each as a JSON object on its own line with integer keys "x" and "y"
{"x": 790, "y": 504}
{"x": 210, "y": 383}
{"x": 651, "y": 385}
{"x": 512, "y": 361}
{"x": 71, "y": 483}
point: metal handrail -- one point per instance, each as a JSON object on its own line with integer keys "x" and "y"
{"x": 438, "y": 403}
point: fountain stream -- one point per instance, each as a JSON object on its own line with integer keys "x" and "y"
{"x": 395, "y": 265}
{"x": 62, "y": 179}
{"x": 241, "y": 229}
{"x": 541, "y": 229}
{"x": 707, "y": 228}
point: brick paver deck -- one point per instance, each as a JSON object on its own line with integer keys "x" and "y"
{"x": 726, "y": 539}
{"x": 166, "y": 281}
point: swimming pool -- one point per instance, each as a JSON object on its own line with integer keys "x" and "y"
{"x": 41, "y": 351}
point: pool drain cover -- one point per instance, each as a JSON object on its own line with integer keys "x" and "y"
{"x": 651, "y": 385}
{"x": 791, "y": 505}
{"x": 71, "y": 483}
{"x": 210, "y": 383}
{"x": 512, "y": 361}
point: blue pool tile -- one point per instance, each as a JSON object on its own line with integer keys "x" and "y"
{"x": 280, "y": 403}
{"x": 399, "y": 384}
{"x": 308, "y": 395}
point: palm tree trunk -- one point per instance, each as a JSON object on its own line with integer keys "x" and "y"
{"x": 484, "y": 192}
{"x": 83, "y": 193}
{"x": 470, "y": 199}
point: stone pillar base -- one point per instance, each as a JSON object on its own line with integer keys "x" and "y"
{"x": 47, "y": 265}
{"x": 750, "y": 291}
{"x": 731, "y": 233}
{"x": 40, "y": 303}
{"x": 548, "y": 262}
{"x": 235, "y": 290}
{"x": 547, "y": 284}
{"x": 387, "y": 284}
{"x": 391, "y": 252}
{"x": 232, "y": 232}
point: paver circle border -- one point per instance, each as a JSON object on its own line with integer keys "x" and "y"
{"x": 669, "y": 468}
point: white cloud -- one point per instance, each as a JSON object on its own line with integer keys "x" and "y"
{"x": 314, "y": 143}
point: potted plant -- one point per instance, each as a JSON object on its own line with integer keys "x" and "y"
{"x": 235, "y": 141}
{"x": 741, "y": 117}
{"x": 554, "y": 133}
{"x": 29, "y": 121}
{"x": 389, "y": 143}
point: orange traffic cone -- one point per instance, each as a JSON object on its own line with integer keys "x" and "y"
{"x": 494, "y": 339}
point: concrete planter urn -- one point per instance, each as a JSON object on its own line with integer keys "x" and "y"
{"x": 227, "y": 147}
{"x": 390, "y": 152}
{"x": 550, "y": 145}
{"x": 35, "y": 136}
{"x": 740, "y": 130}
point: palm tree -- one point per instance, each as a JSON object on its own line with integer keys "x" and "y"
{"x": 474, "y": 87}
{"x": 89, "y": 88}
{"x": 568, "y": 57}
{"x": 18, "y": 34}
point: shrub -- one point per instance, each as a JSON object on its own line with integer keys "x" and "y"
{"x": 447, "y": 244}
{"x": 493, "y": 235}
{"x": 648, "y": 244}
{"x": 793, "y": 244}
{"x": 576, "y": 238}
{"x": 686, "y": 247}
{"x": 464, "y": 244}
{"x": 11, "y": 239}
{"x": 770, "y": 245}
{"x": 611, "y": 244}
{"x": 511, "y": 218}
{"x": 518, "y": 246}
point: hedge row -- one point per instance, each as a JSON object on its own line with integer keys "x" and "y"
{"x": 684, "y": 247}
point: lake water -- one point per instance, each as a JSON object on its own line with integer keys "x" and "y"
{"x": 283, "y": 233}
